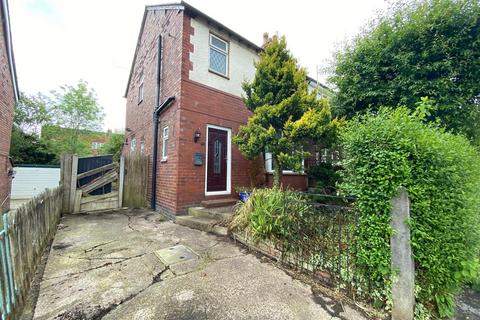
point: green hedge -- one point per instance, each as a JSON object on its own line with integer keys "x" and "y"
{"x": 393, "y": 148}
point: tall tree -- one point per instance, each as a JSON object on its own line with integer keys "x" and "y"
{"x": 286, "y": 116}
{"x": 77, "y": 109}
{"x": 32, "y": 112}
{"x": 420, "y": 48}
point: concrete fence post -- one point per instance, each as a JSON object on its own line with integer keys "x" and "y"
{"x": 402, "y": 259}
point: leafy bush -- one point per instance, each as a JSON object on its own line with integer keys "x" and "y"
{"x": 325, "y": 175}
{"x": 441, "y": 172}
{"x": 114, "y": 146}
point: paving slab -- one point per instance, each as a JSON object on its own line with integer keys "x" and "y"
{"x": 106, "y": 266}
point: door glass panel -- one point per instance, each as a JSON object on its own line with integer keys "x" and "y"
{"x": 217, "y": 156}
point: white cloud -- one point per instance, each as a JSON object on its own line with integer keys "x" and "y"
{"x": 61, "y": 41}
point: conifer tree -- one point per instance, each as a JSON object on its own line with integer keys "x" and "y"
{"x": 286, "y": 116}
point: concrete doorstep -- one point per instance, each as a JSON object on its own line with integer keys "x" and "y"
{"x": 207, "y": 219}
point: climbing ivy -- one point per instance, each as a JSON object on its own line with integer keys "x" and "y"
{"x": 441, "y": 171}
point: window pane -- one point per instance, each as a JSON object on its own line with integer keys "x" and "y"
{"x": 268, "y": 162}
{"x": 222, "y": 45}
{"x": 140, "y": 92}
{"x": 165, "y": 148}
{"x": 217, "y": 157}
{"x": 218, "y": 61}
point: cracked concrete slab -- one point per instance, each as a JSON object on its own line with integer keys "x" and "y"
{"x": 103, "y": 266}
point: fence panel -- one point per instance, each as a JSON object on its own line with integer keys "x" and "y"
{"x": 28, "y": 230}
{"x": 325, "y": 245}
{"x": 89, "y": 163}
{"x": 135, "y": 181}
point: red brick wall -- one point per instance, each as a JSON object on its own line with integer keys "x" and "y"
{"x": 169, "y": 23}
{"x": 292, "y": 181}
{"x": 7, "y": 103}
{"x": 181, "y": 184}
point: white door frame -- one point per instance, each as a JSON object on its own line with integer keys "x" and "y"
{"x": 229, "y": 162}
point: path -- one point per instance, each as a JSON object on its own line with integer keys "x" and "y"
{"x": 104, "y": 266}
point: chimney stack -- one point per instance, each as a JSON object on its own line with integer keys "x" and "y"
{"x": 266, "y": 39}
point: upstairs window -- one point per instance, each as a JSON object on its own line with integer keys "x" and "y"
{"x": 218, "y": 55}
{"x": 96, "y": 145}
{"x": 140, "y": 87}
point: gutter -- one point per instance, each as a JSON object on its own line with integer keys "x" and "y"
{"x": 156, "y": 119}
{"x": 8, "y": 40}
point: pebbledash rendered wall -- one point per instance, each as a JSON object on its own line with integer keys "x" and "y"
{"x": 7, "y": 104}
{"x": 202, "y": 98}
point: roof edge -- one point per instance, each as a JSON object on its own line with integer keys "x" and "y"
{"x": 182, "y": 5}
{"x": 8, "y": 42}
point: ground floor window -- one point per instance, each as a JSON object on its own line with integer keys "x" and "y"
{"x": 165, "y": 144}
{"x": 269, "y": 164}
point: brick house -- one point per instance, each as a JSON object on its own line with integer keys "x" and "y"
{"x": 9, "y": 95}
{"x": 186, "y": 77}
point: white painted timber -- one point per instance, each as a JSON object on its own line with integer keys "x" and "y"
{"x": 30, "y": 181}
{"x": 241, "y": 60}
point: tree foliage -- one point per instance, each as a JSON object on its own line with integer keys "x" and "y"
{"x": 285, "y": 114}
{"x": 32, "y": 112}
{"x": 441, "y": 171}
{"x": 423, "y": 48}
{"x": 114, "y": 146}
{"x": 76, "y": 108}
{"x": 27, "y": 148}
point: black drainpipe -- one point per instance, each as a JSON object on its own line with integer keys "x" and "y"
{"x": 156, "y": 117}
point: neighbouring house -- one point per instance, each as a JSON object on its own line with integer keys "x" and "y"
{"x": 89, "y": 143}
{"x": 9, "y": 95}
{"x": 184, "y": 105}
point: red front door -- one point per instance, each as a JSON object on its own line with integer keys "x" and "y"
{"x": 217, "y": 160}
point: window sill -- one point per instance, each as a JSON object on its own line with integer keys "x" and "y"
{"x": 164, "y": 159}
{"x": 290, "y": 173}
{"x": 219, "y": 74}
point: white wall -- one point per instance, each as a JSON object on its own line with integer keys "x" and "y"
{"x": 29, "y": 181}
{"x": 241, "y": 59}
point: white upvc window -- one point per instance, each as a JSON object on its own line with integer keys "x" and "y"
{"x": 269, "y": 164}
{"x": 218, "y": 56}
{"x": 142, "y": 146}
{"x": 133, "y": 145}
{"x": 165, "y": 144}
{"x": 141, "y": 87}
{"x": 96, "y": 145}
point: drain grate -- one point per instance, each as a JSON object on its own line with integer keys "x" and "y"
{"x": 175, "y": 254}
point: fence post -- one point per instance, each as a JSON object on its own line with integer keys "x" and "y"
{"x": 402, "y": 259}
{"x": 73, "y": 183}
{"x": 66, "y": 176}
{"x": 121, "y": 181}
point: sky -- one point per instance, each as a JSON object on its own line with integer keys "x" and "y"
{"x": 58, "y": 42}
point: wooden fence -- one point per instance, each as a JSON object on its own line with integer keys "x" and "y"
{"x": 30, "y": 229}
{"x": 135, "y": 181}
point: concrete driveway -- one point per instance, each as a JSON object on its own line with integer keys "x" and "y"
{"x": 110, "y": 266}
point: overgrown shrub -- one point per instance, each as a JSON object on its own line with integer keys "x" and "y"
{"x": 393, "y": 148}
{"x": 269, "y": 213}
{"x": 325, "y": 175}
